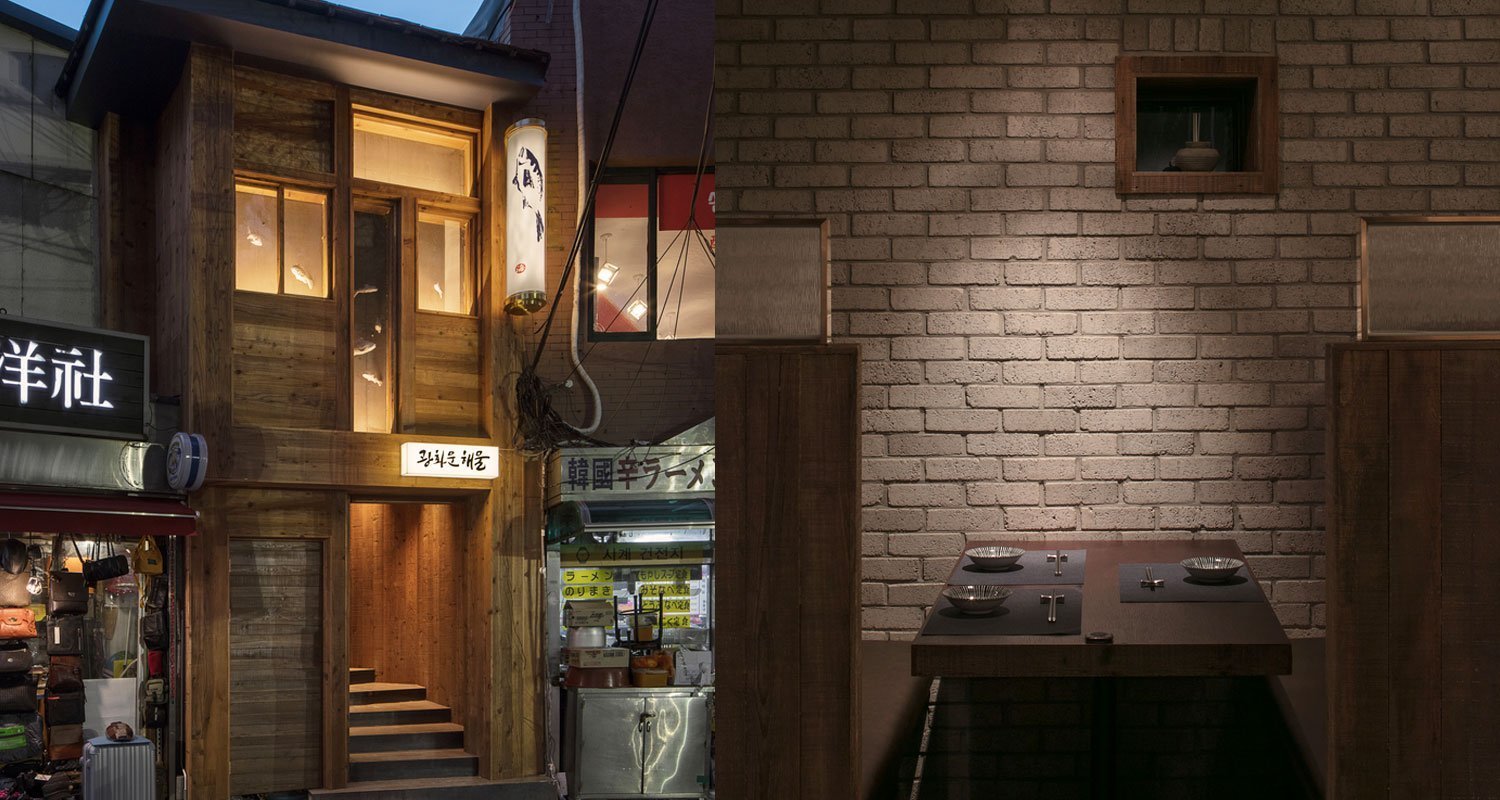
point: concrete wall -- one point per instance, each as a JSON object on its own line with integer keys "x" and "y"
{"x": 48, "y": 268}
{"x": 650, "y": 390}
{"x": 1043, "y": 357}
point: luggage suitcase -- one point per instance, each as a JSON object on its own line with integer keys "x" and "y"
{"x": 119, "y": 770}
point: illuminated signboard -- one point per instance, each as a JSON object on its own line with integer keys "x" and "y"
{"x": 426, "y": 460}
{"x": 73, "y": 380}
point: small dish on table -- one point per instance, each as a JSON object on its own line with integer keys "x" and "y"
{"x": 1212, "y": 569}
{"x": 976, "y": 600}
{"x": 993, "y": 558}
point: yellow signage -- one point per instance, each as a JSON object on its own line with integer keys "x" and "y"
{"x": 588, "y": 576}
{"x": 676, "y": 621}
{"x": 664, "y": 574}
{"x": 626, "y": 554}
{"x": 588, "y": 591}
{"x": 648, "y": 591}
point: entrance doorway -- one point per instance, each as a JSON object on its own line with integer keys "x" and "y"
{"x": 409, "y": 640}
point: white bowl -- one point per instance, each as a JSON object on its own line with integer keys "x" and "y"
{"x": 971, "y": 599}
{"x": 993, "y": 557}
{"x": 1212, "y": 569}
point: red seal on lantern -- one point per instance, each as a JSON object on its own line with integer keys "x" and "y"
{"x": 520, "y": 267}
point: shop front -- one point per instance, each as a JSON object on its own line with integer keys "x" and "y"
{"x": 630, "y": 598}
{"x": 92, "y": 526}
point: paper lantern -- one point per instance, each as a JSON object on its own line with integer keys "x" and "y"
{"x": 525, "y": 217}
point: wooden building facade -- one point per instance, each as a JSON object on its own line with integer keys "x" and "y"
{"x": 317, "y": 254}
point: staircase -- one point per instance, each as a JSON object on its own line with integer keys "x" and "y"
{"x": 403, "y": 746}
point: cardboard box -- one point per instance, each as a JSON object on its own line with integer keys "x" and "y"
{"x": 589, "y": 614}
{"x": 597, "y": 657}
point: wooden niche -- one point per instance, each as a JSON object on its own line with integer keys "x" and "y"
{"x": 1230, "y": 102}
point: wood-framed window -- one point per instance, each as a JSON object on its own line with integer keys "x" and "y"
{"x": 404, "y": 150}
{"x": 282, "y": 242}
{"x": 651, "y": 256}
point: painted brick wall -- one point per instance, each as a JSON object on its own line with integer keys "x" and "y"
{"x": 1043, "y": 357}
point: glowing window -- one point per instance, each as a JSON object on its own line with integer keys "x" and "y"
{"x": 281, "y": 240}
{"x": 445, "y": 263}
{"x": 407, "y": 153}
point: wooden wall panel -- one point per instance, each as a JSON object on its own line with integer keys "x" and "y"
{"x": 1469, "y": 681}
{"x": 281, "y": 121}
{"x": 447, "y": 392}
{"x": 788, "y": 499}
{"x": 406, "y": 596}
{"x": 275, "y": 661}
{"x": 286, "y": 369}
{"x": 1413, "y": 609}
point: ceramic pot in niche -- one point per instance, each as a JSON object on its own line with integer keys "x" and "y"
{"x": 1196, "y": 157}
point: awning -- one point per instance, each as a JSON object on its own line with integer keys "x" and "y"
{"x": 95, "y": 516}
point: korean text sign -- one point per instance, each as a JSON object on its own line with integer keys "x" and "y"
{"x": 428, "y": 460}
{"x": 72, "y": 380}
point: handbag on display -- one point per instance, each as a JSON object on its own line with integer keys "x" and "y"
{"x": 64, "y": 734}
{"x": 20, "y": 737}
{"x": 67, "y": 593}
{"x": 156, "y": 663}
{"x": 65, "y": 674}
{"x": 154, "y": 630}
{"x": 17, "y": 623}
{"x": 155, "y": 717}
{"x": 15, "y": 661}
{"x": 64, "y": 636}
{"x": 18, "y": 698}
{"x": 65, "y": 752}
{"x": 15, "y": 573}
{"x": 64, "y": 708}
{"x": 108, "y": 568}
{"x": 147, "y": 559}
{"x": 155, "y": 691}
{"x": 156, "y": 595}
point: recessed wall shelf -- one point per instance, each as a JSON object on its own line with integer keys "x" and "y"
{"x": 1196, "y": 124}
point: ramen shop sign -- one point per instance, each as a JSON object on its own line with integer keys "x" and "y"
{"x": 72, "y": 380}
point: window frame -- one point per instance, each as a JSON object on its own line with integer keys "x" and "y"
{"x": 439, "y": 128}
{"x": 281, "y": 186}
{"x": 651, "y": 176}
{"x": 425, "y": 207}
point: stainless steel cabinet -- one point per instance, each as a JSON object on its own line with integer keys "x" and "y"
{"x": 639, "y": 742}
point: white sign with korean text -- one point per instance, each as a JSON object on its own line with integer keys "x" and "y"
{"x": 427, "y": 460}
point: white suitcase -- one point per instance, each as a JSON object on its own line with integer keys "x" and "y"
{"x": 119, "y": 770}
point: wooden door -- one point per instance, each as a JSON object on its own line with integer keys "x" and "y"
{"x": 788, "y": 559}
{"x": 1413, "y": 551}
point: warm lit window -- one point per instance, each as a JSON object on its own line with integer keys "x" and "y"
{"x": 653, "y": 262}
{"x": 406, "y": 153}
{"x": 445, "y": 263}
{"x": 281, "y": 242}
{"x": 372, "y": 374}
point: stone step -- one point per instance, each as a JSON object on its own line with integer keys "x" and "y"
{"x": 377, "y": 692}
{"x": 466, "y": 788}
{"x": 416, "y": 736}
{"x": 408, "y": 764}
{"x": 406, "y": 712}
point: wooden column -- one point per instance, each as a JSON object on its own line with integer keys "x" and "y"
{"x": 788, "y": 571}
{"x": 195, "y": 257}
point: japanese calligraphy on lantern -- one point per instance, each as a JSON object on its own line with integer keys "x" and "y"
{"x": 595, "y": 473}
{"x": 74, "y": 380}
{"x": 426, "y": 460}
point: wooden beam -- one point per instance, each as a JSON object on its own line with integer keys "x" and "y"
{"x": 206, "y": 630}
{"x": 336, "y": 644}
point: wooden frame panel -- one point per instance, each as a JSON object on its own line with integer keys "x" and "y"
{"x": 1363, "y": 300}
{"x": 1264, "y": 129}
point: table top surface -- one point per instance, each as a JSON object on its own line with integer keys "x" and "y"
{"x": 1150, "y": 639}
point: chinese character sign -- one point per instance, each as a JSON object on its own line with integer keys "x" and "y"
{"x": 595, "y": 472}
{"x": 421, "y": 459}
{"x": 61, "y": 378}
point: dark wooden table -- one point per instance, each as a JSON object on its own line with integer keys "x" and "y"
{"x": 1150, "y": 639}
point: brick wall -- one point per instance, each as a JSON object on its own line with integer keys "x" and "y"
{"x": 1043, "y": 357}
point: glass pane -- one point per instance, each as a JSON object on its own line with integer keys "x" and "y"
{"x": 444, "y": 266}
{"x": 684, "y": 257}
{"x": 371, "y": 371}
{"x": 306, "y": 243}
{"x": 256, "y": 224}
{"x": 621, "y": 223}
{"x": 407, "y": 154}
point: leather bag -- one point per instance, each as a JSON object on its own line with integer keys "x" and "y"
{"x": 17, "y": 623}
{"x": 65, "y": 752}
{"x": 18, "y": 698}
{"x": 155, "y": 716}
{"x": 147, "y": 559}
{"x": 15, "y": 661}
{"x": 64, "y": 708}
{"x": 67, "y": 593}
{"x": 15, "y": 573}
{"x": 154, "y": 630}
{"x": 65, "y": 674}
{"x": 20, "y": 737}
{"x": 156, "y": 663}
{"x": 64, "y": 734}
{"x": 103, "y": 569}
{"x": 65, "y": 636}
